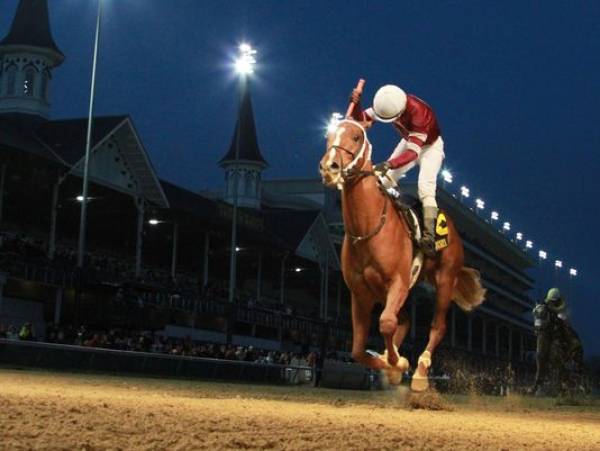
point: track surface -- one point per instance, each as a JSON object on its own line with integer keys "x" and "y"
{"x": 40, "y": 410}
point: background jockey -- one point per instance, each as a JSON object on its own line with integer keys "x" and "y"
{"x": 556, "y": 341}
{"x": 421, "y": 143}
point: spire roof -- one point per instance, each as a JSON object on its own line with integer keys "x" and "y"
{"x": 31, "y": 27}
{"x": 246, "y": 127}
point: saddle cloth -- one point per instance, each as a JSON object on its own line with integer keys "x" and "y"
{"x": 412, "y": 210}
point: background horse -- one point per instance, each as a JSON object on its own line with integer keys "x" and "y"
{"x": 377, "y": 256}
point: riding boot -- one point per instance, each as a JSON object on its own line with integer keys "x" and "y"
{"x": 428, "y": 236}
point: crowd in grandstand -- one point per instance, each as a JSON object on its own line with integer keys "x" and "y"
{"x": 457, "y": 371}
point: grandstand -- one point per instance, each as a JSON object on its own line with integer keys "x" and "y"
{"x": 158, "y": 254}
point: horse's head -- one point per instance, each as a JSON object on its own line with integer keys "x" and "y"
{"x": 348, "y": 154}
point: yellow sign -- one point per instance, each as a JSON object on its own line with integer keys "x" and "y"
{"x": 441, "y": 226}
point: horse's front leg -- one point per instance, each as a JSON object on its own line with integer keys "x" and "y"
{"x": 445, "y": 287}
{"x": 392, "y": 332}
{"x": 402, "y": 329}
{"x": 361, "y": 322}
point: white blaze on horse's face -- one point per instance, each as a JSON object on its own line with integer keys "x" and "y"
{"x": 342, "y": 141}
{"x": 338, "y": 180}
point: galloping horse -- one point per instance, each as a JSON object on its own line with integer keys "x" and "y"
{"x": 377, "y": 255}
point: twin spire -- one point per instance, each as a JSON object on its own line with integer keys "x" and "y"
{"x": 28, "y": 54}
{"x": 31, "y": 28}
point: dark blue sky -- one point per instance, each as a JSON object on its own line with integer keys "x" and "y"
{"x": 515, "y": 84}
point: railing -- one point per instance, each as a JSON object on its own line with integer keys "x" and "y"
{"x": 37, "y": 272}
{"x": 81, "y": 358}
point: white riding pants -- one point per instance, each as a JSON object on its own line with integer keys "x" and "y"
{"x": 430, "y": 162}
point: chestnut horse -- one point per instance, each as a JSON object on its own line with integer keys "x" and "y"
{"x": 377, "y": 256}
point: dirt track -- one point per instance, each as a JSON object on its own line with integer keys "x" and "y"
{"x": 52, "y": 411}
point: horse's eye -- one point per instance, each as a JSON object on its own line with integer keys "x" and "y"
{"x": 356, "y": 138}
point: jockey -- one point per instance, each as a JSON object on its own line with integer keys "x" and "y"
{"x": 421, "y": 144}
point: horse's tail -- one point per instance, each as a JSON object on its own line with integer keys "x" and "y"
{"x": 468, "y": 292}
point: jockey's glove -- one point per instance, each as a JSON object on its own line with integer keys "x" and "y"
{"x": 382, "y": 168}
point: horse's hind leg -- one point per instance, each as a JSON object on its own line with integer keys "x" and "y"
{"x": 361, "y": 322}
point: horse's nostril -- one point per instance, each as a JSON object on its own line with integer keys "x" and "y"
{"x": 334, "y": 166}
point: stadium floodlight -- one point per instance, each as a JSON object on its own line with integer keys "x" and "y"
{"x": 506, "y": 226}
{"x": 464, "y": 192}
{"x": 543, "y": 255}
{"x": 244, "y": 64}
{"x": 333, "y": 123}
{"x": 480, "y": 204}
{"x": 573, "y": 272}
{"x": 153, "y": 221}
{"x": 558, "y": 264}
{"x": 297, "y": 269}
{"x": 495, "y": 215}
{"x": 447, "y": 176}
{"x": 519, "y": 236}
{"x": 528, "y": 244}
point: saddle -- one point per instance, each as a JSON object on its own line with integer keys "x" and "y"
{"x": 411, "y": 209}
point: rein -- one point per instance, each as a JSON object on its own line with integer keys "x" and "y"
{"x": 358, "y": 238}
{"x": 355, "y": 177}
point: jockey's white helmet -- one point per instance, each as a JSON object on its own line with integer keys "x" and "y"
{"x": 389, "y": 103}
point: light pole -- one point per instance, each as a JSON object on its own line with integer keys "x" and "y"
{"x": 558, "y": 264}
{"x": 244, "y": 66}
{"x": 542, "y": 255}
{"x": 464, "y": 193}
{"x": 88, "y": 143}
{"x": 572, "y": 274}
{"x": 480, "y": 204}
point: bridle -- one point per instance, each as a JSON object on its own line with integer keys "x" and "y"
{"x": 347, "y": 172}
{"x": 349, "y": 175}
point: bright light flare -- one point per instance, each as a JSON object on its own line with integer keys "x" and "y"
{"x": 244, "y": 64}
{"x": 447, "y": 176}
{"x": 333, "y": 123}
{"x": 153, "y": 221}
{"x": 79, "y": 198}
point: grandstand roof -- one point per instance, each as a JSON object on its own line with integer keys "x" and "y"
{"x": 17, "y": 134}
{"x": 187, "y": 201}
{"x": 67, "y": 137}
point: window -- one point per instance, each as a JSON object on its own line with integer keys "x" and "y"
{"x": 11, "y": 78}
{"x": 28, "y": 84}
{"x": 44, "y": 92}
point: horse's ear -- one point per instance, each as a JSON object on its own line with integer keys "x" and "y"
{"x": 366, "y": 124}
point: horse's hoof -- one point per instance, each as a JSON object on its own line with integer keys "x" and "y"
{"x": 420, "y": 379}
{"x": 394, "y": 373}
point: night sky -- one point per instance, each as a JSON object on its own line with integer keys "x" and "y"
{"x": 515, "y": 85}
